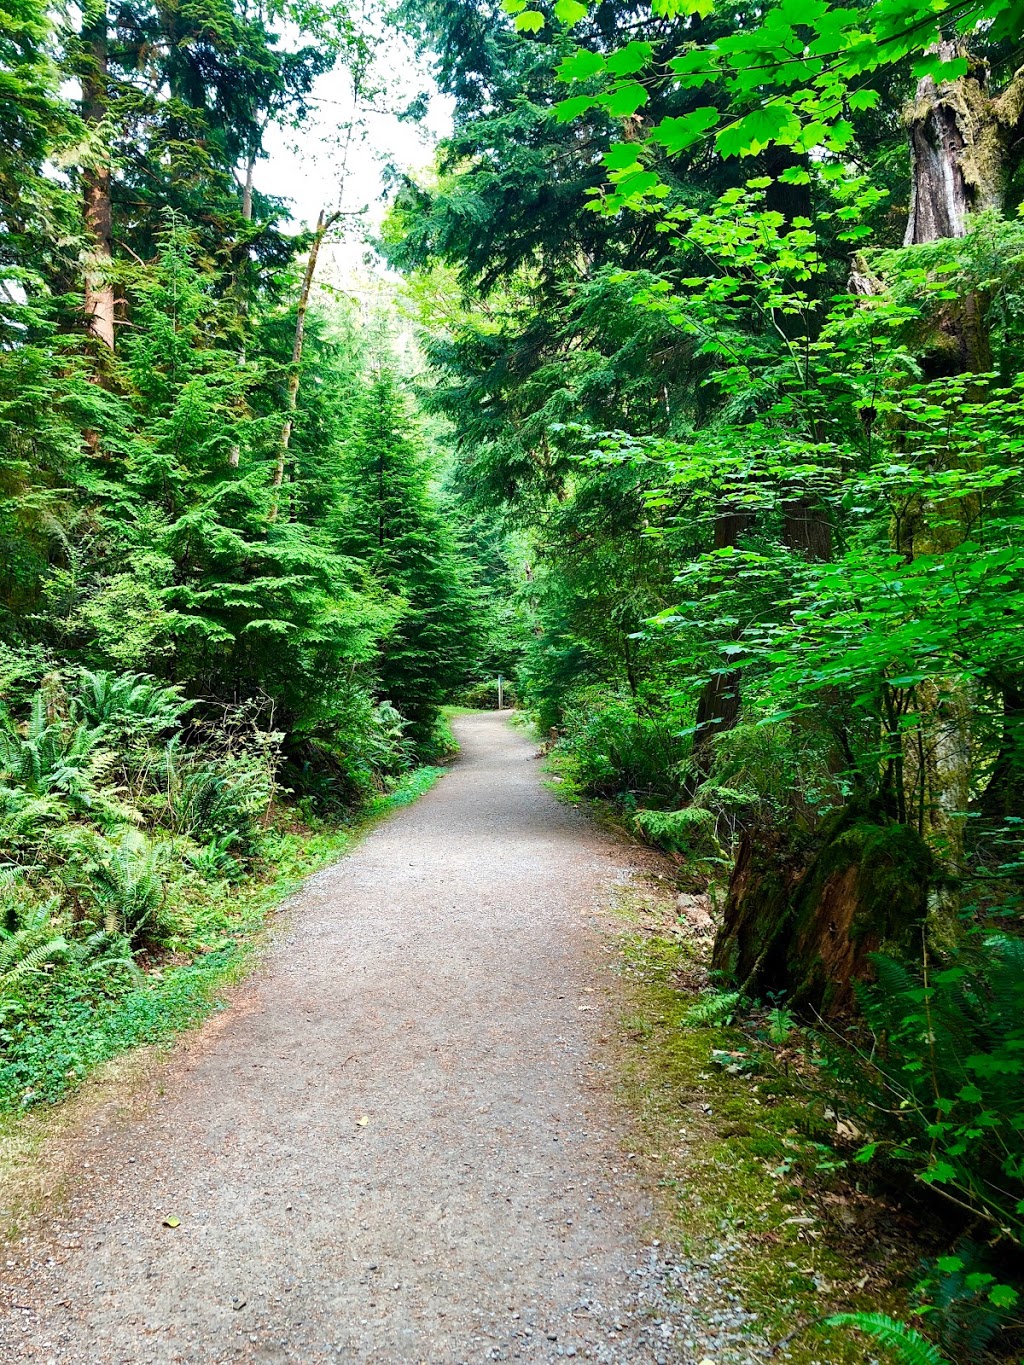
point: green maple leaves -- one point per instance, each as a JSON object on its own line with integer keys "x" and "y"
{"x": 567, "y": 12}
{"x": 792, "y": 78}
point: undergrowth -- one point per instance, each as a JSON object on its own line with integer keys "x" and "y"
{"x": 53, "y": 1036}
{"x": 749, "y": 1157}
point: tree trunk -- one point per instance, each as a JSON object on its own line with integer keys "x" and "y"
{"x": 250, "y": 170}
{"x": 960, "y": 138}
{"x": 802, "y": 918}
{"x": 99, "y": 287}
{"x": 323, "y": 224}
{"x": 960, "y": 141}
{"x": 1003, "y": 796}
{"x": 719, "y": 705}
{"x": 234, "y": 454}
{"x": 806, "y": 528}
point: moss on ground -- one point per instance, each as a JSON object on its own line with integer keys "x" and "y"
{"x": 745, "y": 1148}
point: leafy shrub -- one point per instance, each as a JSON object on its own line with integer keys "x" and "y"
{"x": 25, "y": 819}
{"x": 213, "y": 862}
{"x": 219, "y": 799}
{"x": 127, "y": 706}
{"x": 614, "y": 748}
{"x": 48, "y": 755}
{"x": 30, "y": 944}
{"x": 483, "y": 696}
{"x": 124, "y": 884}
{"x": 950, "y": 1047}
{"x": 389, "y": 748}
{"x": 365, "y": 747}
{"x": 689, "y": 830}
{"x": 956, "y": 1293}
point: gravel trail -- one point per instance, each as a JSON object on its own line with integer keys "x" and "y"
{"x": 398, "y": 1145}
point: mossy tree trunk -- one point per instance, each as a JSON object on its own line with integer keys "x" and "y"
{"x": 961, "y": 139}
{"x": 803, "y": 917}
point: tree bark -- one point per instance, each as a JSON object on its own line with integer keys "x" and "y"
{"x": 719, "y": 705}
{"x": 960, "y": 138}
{"x": 235, "y": 453}
{"x": 806, "y": 528}
{"x": 323, "y": 225}
{"x": 803, "y": 917}
{"x": 98, "y": 285}
{"x": 250, "y": 170}
{"x": 1004, "y": 793}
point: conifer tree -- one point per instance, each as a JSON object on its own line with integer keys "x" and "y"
{"x": 395, "y": 528}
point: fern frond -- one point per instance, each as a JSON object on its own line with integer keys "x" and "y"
{"x": 27, "y": 961}
{"x": 712, "y": 1009}
{"x": 909, "y": 1345}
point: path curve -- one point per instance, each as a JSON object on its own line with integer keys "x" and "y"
{"x": 398, "y": 1144}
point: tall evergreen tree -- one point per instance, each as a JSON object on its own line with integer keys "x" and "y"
{"x": 394, "y": 526}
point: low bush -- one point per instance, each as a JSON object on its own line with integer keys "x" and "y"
{"x": 618, "y": 750}
{"x": 483, "y": 696}
{"x": 943, "y": 1084}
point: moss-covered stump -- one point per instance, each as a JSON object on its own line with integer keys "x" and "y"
{"x": 802, "y": 918}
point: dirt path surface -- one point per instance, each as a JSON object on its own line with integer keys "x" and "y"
{"x": 398, "y": 1144}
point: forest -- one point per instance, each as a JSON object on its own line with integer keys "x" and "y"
{"x": 711, "y": 446}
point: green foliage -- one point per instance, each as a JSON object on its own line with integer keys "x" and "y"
{"x": 781, "y": 1023}
{"x": 31, "y": 947}
{"x": 393, "y": 526}
{"x": 908, "y": 1345}
{"x": 714, "y": 1008}
{"x": 189, "y": 641}
{"x": 123, "y": 885}
{"x": 484, "y": 695}
{"x": 617, "y": 748}
{"x": 765, "y": 491}
{"x": 950, "y": 1039}
{"x": 962, "y": 1296}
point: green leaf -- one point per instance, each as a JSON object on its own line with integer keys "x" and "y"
{"x": 862, "y": 99}
{"x": 939, "y": 1173}
{"x": 676, "y": 134}
{"x": 569, "y": 12}
{"x": 530, "y": 21}
{"x": 758, "y": 130}
{"x": 671, "y": 9}
{"x": 513, "y": 6}
{"x": 625, "y": 99}
{"x": 639, "y": 182}
{"x": 633, "y": 57}
{"x": 620, "y": 155}
{"x": 932, "y": 65}
{"x": 580, "y": 66}
{"x": 1003, "y": 1296}
{"x": 566, "y": 110}
{"x": 978, "y": 1281}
